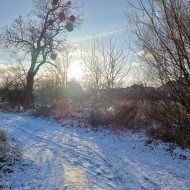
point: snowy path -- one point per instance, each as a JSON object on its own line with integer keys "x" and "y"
{"x": 67, "y": 157}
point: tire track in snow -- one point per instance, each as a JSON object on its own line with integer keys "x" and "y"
{"x": 47, "y": 144}
{"x": 127, "y": 166}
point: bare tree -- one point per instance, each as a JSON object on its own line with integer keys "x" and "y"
{"x": 62, "y": 65}
{"x": 114, "y": 58}
{"x": 163, "y": 35}
{"x": 106, "y": 63}
{"x": 93, "y": 66}
{"x": 40, "y": 35}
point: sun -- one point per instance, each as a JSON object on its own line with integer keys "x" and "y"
{"x": 75, "y": 70}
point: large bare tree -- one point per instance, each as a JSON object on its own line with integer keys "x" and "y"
{"x": 163, "y": 30}
{"x": 40, "y": 35}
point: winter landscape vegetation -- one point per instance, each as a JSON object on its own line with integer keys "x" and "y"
{"x": 95, "y": 95}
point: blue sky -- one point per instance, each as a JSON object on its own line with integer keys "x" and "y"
{"x": 100, "y": 17}
{"x": 98, "y": 14}
{"x": 10, "y": 9}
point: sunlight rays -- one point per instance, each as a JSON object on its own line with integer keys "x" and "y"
{"x": 75, "y": 71}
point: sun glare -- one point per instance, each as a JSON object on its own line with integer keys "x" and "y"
{"x": 75, "y": 71}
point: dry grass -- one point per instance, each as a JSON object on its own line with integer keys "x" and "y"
{"x": 8, "y": 154}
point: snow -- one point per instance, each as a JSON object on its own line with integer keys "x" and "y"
{"x": 68, "y": 156}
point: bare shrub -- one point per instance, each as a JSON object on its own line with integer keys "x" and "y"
{"x": 172, "y": 122}
{"x": 13, "y": 86}
{"x": 2, "y": 137}
{"x": 125, "y": 114}
{"x": 132, "y": 115}
{"x": 42, "y": 111}
{"x": 8, "y": 154}
{"x": 95, "y": 118}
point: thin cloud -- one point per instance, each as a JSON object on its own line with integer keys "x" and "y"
{"x": 115, "y": 30}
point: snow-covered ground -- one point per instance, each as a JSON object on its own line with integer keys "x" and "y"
{"x": 68, "y": 156}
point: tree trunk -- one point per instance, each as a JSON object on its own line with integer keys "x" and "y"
{"x": 29, "y": 88}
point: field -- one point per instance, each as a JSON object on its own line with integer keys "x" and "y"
{"x": 68, "y": 156}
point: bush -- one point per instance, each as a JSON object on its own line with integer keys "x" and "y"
{"x": 172, "y": 122}
{"x": 42, "y": 111}
{"x": 96, "y": 118}
{"x": 2, "y": 137}
{"x": 8, "y": 154}
{"x": 131, "y": 115}
{"x": 125, "y": 114}
{"x": 12, "y": 99}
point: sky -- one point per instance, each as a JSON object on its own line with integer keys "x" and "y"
{"x": 99, "y": 18}
{"x": 98, "y": 15}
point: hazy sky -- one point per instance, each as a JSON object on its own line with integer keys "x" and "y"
{"x": 100, "y": 17}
